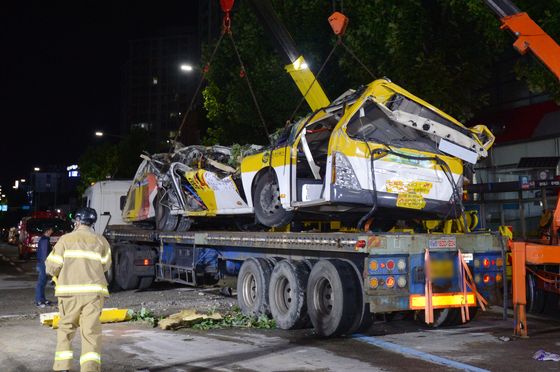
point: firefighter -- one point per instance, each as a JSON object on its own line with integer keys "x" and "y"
{"x": 79, "y": 261}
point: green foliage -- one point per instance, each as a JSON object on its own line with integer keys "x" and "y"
{"x": 120, "y": 160}
{"x": 145, "y": 315}
{"x": 97, "y": 163}
{"x": 235, "y": 319}
{"x": 444, "y": 51}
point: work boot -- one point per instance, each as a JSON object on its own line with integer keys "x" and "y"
{"x": 49, "y": 303}
{"x": 40, "y": 304}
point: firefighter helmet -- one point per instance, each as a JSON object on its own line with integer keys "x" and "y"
{"x": 86, "y": 216}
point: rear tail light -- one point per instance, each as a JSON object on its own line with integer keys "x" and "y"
{"x": 477, "y": 278}
{"x": 401, "y": 264}
{"x": 373, "y": 265}
{"x": 477, "y": 263}
{"x": 498, "y": 277}
{"x": 486, "y": 279}
{"x": 499, "y": 262}
{"x": 486, "y": 262}
{"x": 401, "y": 282}
{"x": 143, "y": 262}
{"x": 373, "y": 283}
{"x": 390, "y": 282}
{"x": 390, "y": 265}
{"x": 360, "y": 244}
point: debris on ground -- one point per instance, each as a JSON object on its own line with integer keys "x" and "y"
{"x": 545, "y": 355}
{"x": 504, "y": 338}
{"x": 187, "y": 318}
{"x": 190, "y": 318}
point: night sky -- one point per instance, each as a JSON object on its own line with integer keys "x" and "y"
{"x": 61, "y": 74}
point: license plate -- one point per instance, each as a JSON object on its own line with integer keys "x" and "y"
{"x": 441, "y": 269}
{"x": 411, "y": 201}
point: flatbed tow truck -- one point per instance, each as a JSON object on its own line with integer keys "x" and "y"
{"x": 336, "y": 280}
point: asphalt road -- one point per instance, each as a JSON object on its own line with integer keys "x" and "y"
{"x": 25, "y": 345}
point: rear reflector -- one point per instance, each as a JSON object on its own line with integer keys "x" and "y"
{"x": 442, "y": 300}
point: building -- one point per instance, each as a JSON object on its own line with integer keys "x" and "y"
{"x": 160, "y": 78}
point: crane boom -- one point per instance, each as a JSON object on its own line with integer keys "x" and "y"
{"x": 530, "y": 36}
{"x": 295, "y": 63}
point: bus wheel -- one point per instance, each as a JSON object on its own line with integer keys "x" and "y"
{"x": 267, "y": 203}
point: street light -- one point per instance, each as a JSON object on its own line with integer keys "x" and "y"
{"x": 22, "y": 180}
{"x": 103, "y": 134}
{"x": 36, "y": 169}
{"x": 186, "y": 67}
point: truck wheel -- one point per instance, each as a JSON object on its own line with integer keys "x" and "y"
{"x": 287, "y": 299}
{"x": 441, "y": 317}
{"x": 124, "y": 270}
{"x": 536, "y": 297}
{"x": 331, "y": 297}
{"x": 267, "y": 203}
{"x": 164, "y": 219}
{"x": 185, "y": 224}
{"x": 253, "y": 282}
{"x": 145, "y": 282}
{"x": 363, "y": 318}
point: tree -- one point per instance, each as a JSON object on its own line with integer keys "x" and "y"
{"x": 444, "y": 51}
{"x": 108, "y": 160}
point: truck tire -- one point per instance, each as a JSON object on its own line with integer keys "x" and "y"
{"x": 288, "y": 303}
{"x": 165, "y": 221}
{"x": 124, "y": 270}
{"x": 267, "y": 203}
{"x": 536, "y": 297}
{"x": 442, "y": 317}
{"x": 363, "y": 318}
{"x": 253, "y": 282}
{"x": 145, "y": 282}
{"x": 331, "y": 297}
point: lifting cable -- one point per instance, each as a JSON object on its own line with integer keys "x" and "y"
{"x": 226, "y": 5}
{"x": 198, "y": 87}
{"x": 243, "y": 74}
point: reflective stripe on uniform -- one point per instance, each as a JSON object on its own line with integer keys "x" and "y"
{"x": 105, "y": 258}
{"x": 90, "y": 357}
{"x": 55, "y": 258}
{"x": 80, "y": 288}
{"x": 63, "y": 355}
{"x": 74, "y": 253}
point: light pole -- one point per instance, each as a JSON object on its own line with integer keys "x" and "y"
{"x": 103, "y": 134}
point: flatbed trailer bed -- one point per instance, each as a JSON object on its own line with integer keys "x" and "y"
{"x": 356, "y": 274}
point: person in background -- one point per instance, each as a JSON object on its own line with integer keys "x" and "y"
{"x": 43, "y": 250}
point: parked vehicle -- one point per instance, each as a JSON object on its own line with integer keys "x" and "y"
{"x": 32, "y": 227}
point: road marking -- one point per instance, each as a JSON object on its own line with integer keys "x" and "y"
{"x": 408, "y": 351}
